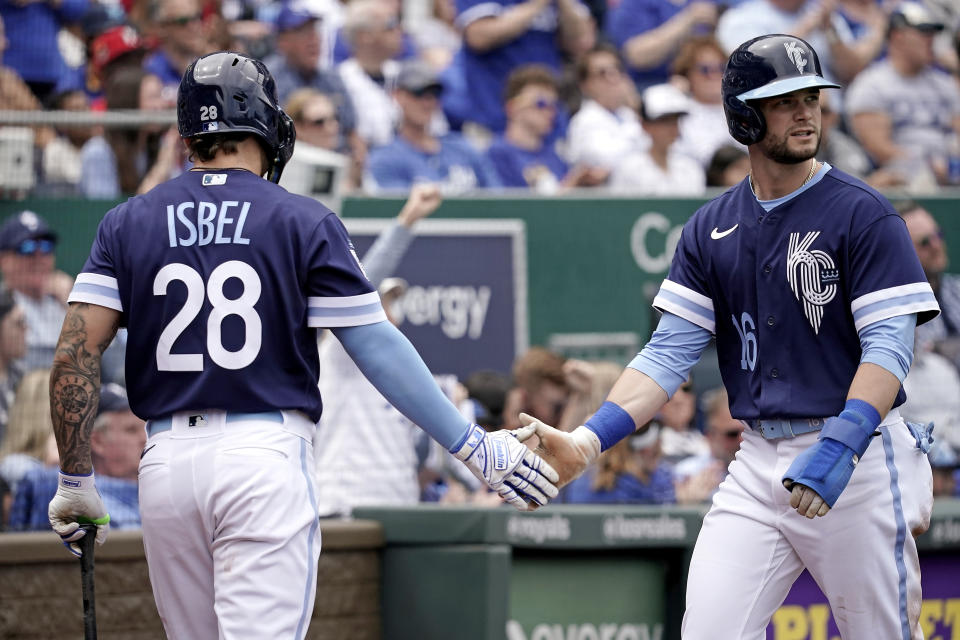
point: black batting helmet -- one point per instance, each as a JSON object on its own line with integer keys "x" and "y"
{"x": 228, "y": 92}
{"x": 764, "y": 67}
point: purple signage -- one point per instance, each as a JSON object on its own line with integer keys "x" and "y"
{"x": 805, "y": 614}
{"x": 465, "y": 308}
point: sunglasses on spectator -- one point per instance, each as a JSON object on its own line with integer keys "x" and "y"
{"x": 928, "y": 239}
{"x": 182, "y": 21}
{"x": 322, "y": 121}
{"x": 432, "y": 91}
{"x": 30, "y": 247}
{"x": 391, "y": 24}
{"x": 707, "y": 69}
{"x": 732, "y": 433}
{"x": 608, "y": 72}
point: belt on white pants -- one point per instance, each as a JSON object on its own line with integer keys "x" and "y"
{"x": 785, "y": 428}
{"x": 187, "y": 420}
{"x": 792, "y": 427}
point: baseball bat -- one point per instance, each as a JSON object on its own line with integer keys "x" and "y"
{"x": 86, "y": 582}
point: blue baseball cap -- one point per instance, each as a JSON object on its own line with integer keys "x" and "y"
{"x": 293, "y": 16}
{"x": 113, "y": 397}
{"x": 22, "y": 226}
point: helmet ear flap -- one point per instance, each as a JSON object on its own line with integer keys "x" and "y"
{"x": 745, "y": 123}
{"x": 286, "y": 137}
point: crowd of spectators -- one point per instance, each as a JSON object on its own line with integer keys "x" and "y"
{"x": 545, "y": 95}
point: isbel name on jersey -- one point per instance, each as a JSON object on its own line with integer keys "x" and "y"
{"x": 202, "y": 223}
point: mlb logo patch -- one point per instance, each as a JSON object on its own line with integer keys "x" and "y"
{"x": 214, "y": 179}
{"x": 211, "y": 126}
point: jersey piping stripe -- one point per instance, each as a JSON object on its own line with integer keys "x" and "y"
{"x": 688, "y": 293}
{"x": 110, "y": 302}
{"x": 345, "y": 311}
{"x": 306, "y": 610}
{"x": 96, "y": 288}
{"x": 98, "y": 279}
{"x": 900, "y": 307}
{"x": 901, "y": 532}
{"x": 890, "y": 293}
{"x": 343, "y": 301}
{"x": 346, "y": 321}
{"x": 678, "y": 308}
{"x": 683, "y": 302}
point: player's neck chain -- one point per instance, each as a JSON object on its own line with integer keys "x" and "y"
{"x": 813, "y": 170}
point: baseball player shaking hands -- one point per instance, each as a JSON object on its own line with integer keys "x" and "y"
{"x": 808, "y": 280}
{"x": 222, "y": 279}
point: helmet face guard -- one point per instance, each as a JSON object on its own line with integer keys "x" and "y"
{"x": 771, "y": 65}
{"x": 228, "y": 92}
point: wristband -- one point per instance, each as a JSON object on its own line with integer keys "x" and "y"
{"x": 76, "y": 480}
{"x": 861, "y": 412}
{"x": 611, "y": 424}
{"x": 854, "y": 426}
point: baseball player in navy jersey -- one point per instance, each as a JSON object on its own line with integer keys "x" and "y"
{"x": 222, "y": 279}
{"x": 808, "y": 280}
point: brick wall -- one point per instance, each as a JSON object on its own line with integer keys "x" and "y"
{"x": 40, "y": 587}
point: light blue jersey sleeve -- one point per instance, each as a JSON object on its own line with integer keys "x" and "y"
{"x": 672, "y": 351}
{"x": 394, "y": 367}
{"x": 889, "y": 344}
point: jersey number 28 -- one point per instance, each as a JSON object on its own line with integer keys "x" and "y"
{"x": 222, "y": 307}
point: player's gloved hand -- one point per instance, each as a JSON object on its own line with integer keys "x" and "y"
{"x": 77, "y": 501}
{"x": 818, "y": 475}
{"x": 568, "y": 453}
{"x": 508, "y": 467}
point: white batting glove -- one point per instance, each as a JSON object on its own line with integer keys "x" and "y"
{"x": 77, "y": 501}
{"x": 508, "y": 467}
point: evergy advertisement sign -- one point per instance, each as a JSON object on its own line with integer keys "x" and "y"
{"x": 805, "y": 614}
{"x": 466, "y": 305}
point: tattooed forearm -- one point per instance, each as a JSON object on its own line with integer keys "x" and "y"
{"x": 75, "y": 383}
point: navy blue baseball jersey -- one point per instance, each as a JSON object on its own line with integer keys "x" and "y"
{"x": 786, "y": 291}
{"x": 222, "y": 278}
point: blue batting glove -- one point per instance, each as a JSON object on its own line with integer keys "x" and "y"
{"x": 827, "y": 465}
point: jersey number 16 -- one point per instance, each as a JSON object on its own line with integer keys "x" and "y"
{"x": 748, "y": 340}
{"x": 222, "y": 307}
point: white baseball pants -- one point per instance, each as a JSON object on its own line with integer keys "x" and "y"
{"x": 753, "y": 545}
{"x": 230, "y": 527}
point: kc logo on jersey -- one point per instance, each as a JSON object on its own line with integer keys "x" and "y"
{"x": 795, "y": 53}
{"x": 812, "y": 276}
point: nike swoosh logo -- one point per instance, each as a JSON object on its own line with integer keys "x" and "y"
{"x": 716, "y": 234}
{"x": 145, "y": 451}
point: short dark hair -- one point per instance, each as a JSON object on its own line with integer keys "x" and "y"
{"x": 906, "y": 206}
{"x": 582, "y": 67}
{"x": 205, "y": 148}
{"x": 529, "y": 74}
{"x": 722, "y": 158}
